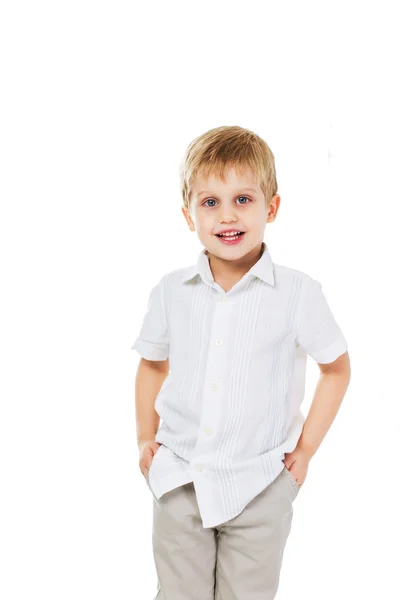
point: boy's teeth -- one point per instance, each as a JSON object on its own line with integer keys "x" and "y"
{"x": 230, "y": 236}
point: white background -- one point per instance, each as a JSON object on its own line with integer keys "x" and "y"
{"x": 98, "y": 102}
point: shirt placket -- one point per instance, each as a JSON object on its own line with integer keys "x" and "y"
{"x": 216, "y": 381}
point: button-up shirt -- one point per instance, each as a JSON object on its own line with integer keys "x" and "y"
{"x": 230, "y": 404}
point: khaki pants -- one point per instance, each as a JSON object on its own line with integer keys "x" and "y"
{"x": 237, "y": 560}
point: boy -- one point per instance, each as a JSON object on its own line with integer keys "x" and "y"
{"x": 233, "y": 449}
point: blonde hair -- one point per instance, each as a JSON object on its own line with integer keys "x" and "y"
{"x": 228, "y": 146}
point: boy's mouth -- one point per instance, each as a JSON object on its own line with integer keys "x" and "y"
{"x": 231, "y": 237}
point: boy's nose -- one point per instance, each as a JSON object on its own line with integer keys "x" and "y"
{"x": 228, "y": 219}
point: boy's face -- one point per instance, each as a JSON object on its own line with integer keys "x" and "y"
{"x": 238, "y": 204}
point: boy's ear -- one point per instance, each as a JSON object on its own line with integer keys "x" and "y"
{"x": 188, "y": 219}
{"x": 273, "y": 208}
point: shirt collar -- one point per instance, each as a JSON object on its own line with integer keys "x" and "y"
{"x": 263, "y": 268}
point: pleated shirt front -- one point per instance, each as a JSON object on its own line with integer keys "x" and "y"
{"x": 230, "y": 406}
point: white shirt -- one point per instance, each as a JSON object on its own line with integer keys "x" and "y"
{"x": 230, "y": 404}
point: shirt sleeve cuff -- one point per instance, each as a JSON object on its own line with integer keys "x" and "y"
{"x": 150, "y": 351}
{"x": 332, "y": 352}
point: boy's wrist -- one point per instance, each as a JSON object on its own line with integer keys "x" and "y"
{"x": 146, "y": 438}
{"x": 306, "y": 449}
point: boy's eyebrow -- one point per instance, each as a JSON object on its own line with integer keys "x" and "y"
{"x": 249, "y": 189}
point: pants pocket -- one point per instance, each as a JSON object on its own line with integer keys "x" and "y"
{"x": 291, "y": 478}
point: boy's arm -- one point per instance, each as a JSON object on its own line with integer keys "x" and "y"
{"x": 153, "y": 346}
{"x": 321, "y": 337}
{"x": 329, "y": 393}
{"x": 149, "y": 379}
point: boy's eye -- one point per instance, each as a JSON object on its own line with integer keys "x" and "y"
{"x": 212, "y": 200}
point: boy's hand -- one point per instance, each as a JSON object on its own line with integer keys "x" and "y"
{"x": 147, "y": 450}
{"x": 297, "y": 462}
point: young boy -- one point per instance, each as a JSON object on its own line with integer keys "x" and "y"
{"x": 233, "y": 448}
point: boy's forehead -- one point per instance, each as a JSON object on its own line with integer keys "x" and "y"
{"x": 243, "y": 178}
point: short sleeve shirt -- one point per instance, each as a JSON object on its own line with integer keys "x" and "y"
{"x": 230, "y": 406}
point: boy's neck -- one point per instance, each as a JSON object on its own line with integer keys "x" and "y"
{"x": 228, "y": 272}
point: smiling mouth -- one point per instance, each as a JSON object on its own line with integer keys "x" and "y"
{"x": 230, "y": 235}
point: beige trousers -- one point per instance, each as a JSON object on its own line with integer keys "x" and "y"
{"x": 238, "y": 560}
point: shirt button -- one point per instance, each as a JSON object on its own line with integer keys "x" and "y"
{"x": 214, "y": 386}
{"x": 199, "y": 467}
{"x": 218, "y": 342}
{"x": 223, "y": 298}
{"x": 208, "y": 430}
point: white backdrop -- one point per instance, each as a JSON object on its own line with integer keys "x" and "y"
{"x": 98, "y": 103}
